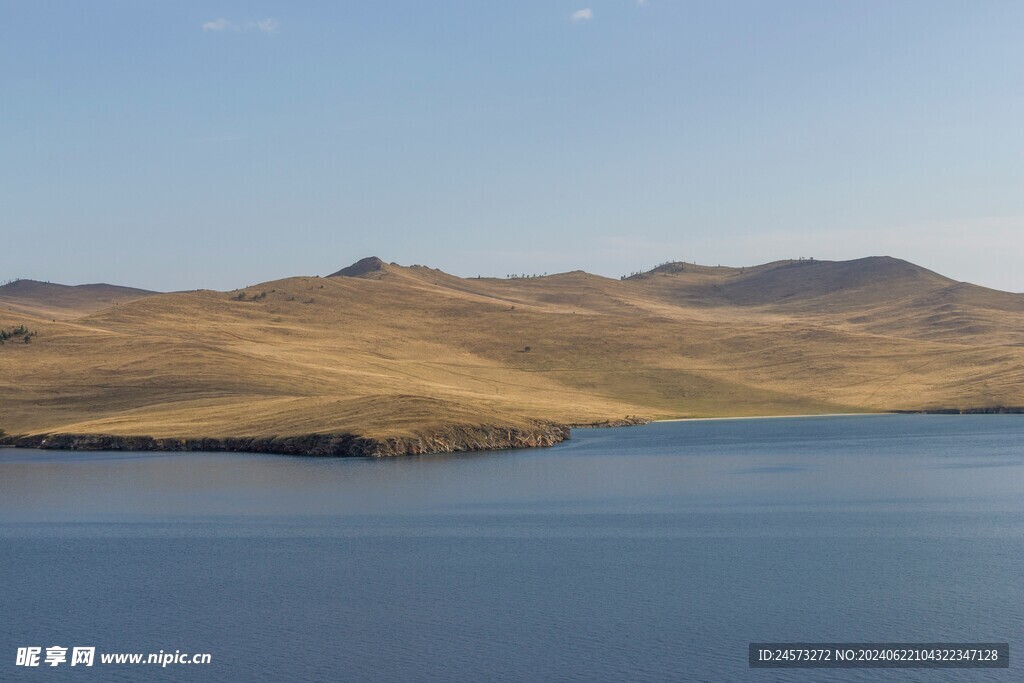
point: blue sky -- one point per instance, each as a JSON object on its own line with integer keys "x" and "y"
{"x": 177, "y": 145}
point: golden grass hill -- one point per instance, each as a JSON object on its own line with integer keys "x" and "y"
{"x": 380, "y": 359}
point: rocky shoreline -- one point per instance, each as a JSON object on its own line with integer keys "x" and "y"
{"x": 628, "y": 421}
{"x": 456, "y": 438}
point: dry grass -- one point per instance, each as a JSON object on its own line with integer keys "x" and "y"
{"x": 398, "y": 350}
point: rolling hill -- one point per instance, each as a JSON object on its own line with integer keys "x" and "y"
{"x": 383, "y": 351}
{"x": 49, "y": 300}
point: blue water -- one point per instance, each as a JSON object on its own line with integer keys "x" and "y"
{"x": 654, "y": 553}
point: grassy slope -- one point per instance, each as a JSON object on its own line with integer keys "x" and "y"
{"x": 47, "y": 300}
{"x": 397, "y": 350}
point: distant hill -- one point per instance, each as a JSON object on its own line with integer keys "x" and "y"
{"x": 385, "y": 351}
{"x": 801, "y": 284}
{"x": 46, "y": 299}
{"x": 878, "y": 294}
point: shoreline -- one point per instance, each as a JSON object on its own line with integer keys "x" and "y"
{"x": 449, "y": 439}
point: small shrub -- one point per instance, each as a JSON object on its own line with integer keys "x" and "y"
{"x": 19, "y": 332}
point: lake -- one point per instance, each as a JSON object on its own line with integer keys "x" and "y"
{"x": 651, "y": 553}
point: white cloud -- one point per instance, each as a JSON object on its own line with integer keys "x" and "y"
{"x": 268, "y": 25}
{"x": 585, "y": 14}
{"x": 641, "y": 2}
{"x": 221, "y": 24}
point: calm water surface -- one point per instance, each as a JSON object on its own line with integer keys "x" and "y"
{"x": 654, "y": 553}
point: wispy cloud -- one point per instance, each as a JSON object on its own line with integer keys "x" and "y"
{"x": 585, "y": 14}
{"x": 268, "y": 25}
{"x": 221, "y": 24}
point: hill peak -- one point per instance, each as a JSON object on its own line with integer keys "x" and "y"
{"x": 361, "y": 268}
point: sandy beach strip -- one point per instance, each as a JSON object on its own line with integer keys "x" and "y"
{"x": 766, "y": 417}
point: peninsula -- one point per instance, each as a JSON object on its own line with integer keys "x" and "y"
{"x": 381, "y": 359}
